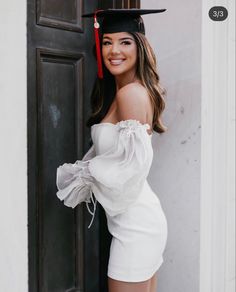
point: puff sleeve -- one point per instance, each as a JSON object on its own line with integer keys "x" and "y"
{"x": 115, "y": 177}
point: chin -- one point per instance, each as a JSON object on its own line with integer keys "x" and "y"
{"x": 118, "y": 72}
{"x": 115, "y": 73}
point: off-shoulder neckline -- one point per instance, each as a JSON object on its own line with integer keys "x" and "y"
{"x": 122, "y": 121}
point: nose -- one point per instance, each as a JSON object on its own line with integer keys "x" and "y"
{"x": 115, "y": 48}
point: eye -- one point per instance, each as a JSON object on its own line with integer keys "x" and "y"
{"x": 126, "y": 43}
{"x": 105, "y": 43}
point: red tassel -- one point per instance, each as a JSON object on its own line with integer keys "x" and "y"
{"x": 98, "y": 48}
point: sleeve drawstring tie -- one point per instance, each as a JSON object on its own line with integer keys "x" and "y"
{"x": 94, "y": 201}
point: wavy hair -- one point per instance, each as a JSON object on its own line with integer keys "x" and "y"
{"x": 104, "y": 90}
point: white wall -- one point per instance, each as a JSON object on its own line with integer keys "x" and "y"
{"x": 175, "y": 174}
{"x": 13, "y": 148}
{"x": 217, "y": 257}
{"x": 193, "y": 171}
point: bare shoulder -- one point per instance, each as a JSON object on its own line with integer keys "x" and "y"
{"x": 132, "y": 91}
{"x": 132, "y": 102}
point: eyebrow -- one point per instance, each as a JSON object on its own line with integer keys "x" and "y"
{"x": 125, "y": 38}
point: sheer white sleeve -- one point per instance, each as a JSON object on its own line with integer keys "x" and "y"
{"x": 115, "y": 177}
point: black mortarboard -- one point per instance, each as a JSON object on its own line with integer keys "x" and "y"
{"x": 117, "y": 20}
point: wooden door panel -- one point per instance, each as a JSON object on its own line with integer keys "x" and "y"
{"x": 60, "y": 136}
{"x": 60, "y": 14}
{"x": 64, "y": 255}
{"x": 61, "y": 71}
{"x": 120, "y": 3}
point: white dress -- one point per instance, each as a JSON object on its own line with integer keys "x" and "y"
{"x": 114, "y": 170}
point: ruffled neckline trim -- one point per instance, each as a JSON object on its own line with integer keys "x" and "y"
{"x": 125, "y": 123}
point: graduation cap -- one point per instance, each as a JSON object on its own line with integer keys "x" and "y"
{"x": 117, "y": 20}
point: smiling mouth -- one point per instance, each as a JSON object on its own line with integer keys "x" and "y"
{"x": 116, "y": 61}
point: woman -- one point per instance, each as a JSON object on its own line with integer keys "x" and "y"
{"x": 127, "y": 104}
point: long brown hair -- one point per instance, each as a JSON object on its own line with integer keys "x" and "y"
{"x": 104, "y": 90}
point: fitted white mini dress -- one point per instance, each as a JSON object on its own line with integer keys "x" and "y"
{"x": 115, "y": 171}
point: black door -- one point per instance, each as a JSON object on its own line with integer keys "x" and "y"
{"x": 63, "y": 254}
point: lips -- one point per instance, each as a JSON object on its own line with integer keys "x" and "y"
{"x": 116, "y": 61}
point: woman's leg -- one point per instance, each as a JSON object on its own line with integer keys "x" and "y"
{"x": 120, "y": 286}
{"x": 153, "y": 284}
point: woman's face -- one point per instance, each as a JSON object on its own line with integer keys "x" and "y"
{"x": 119, "y": 52}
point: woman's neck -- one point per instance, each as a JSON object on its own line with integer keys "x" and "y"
{"x": 122, "y": 80}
